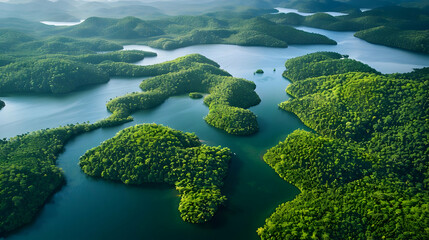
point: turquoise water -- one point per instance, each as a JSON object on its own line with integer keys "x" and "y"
{"x": 87, "y": 208}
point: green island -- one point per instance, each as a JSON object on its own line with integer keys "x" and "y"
{"x": 363, "y": 173}
{"x": 28, "y": 175}
{"x": 196, "y": 95}
{"x": 259, "y": 71}
{"x": 227, "y": 100}
{"x": 393, "y": 26}
{"x": 151, "y": 153}
{"x": 2, "y": 104}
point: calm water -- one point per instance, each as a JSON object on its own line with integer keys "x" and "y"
{"x": 291, "y": 10}
{"x": 60, "y": 24}
{"x": 87, "y": 208}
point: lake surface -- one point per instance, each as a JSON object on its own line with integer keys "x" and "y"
{"x": 87, "y": 208}
{"x": 291, "y": 10}
{"x": 59, "y": 24}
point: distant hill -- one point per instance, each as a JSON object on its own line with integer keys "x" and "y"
{"x": 393, "y": 26}
{"x": 73, "y": 10}
{"x": 176, "y": 32}
{"x": 125, "y": 28}
{"x": 24, "y": 25}
{"x": 38, "y": 10}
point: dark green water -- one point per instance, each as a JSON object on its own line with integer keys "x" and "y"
{"x": 88, "y": 208}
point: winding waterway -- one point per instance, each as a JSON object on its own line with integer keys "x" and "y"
{"x": 87, "y": 208}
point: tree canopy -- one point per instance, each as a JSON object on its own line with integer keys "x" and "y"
{"x": 157, "y": 154}
{"x": 364, "y": 172}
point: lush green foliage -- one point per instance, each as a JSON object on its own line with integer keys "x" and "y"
{"x": 129, "y": 56}
{"x": 233, "y": 120}
{"x": 66, "y": 45}
{"x": 56, "y": 64}
{"x": 55, "y": 75}
{"x": 310, "y": 161}
{"x": 413, "y": 40}
{"x": 157, "y": 154}
{"x": 28, "y": 175}
{"x": 12, "y": 41}
{"x": 368, "y": 208}
{"x": 176, "y": 32}
{"x": 192, "y": 73}
{"x": 259, "y": 71}
{"x": 399, "y": 27}
{"x": 60, "y": 73}
{"x": 2, "y": 104}
{"x": 195, "y": 95}
{"x": 9, "y": 38}
{"x": 181, "y": 63}
{"x": 365, "y": 173}
{"x": 321, "y": 64}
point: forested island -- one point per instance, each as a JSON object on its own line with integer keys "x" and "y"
{"x": 227, "y": 100}
{"x": 2, "y": 104}
{"x": 28, "y": 174}
{"x": 151, "y": 153}
{"x": 196, "y": 95}
{"x": 56, "y": 65}
{"x": 393, "y": 26}
{"x": 364, "y": 172}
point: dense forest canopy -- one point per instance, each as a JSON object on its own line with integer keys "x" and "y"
{"x": 364, "y": 172}
{"x": 28, "y": 174}
{"x": 59, "y": 73}
{"x": 322, "y": 64}
{"x": 151, "y": 153}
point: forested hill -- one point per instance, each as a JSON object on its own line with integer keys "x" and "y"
{"x": 321, "y": 64}
{"x": 393, "y": 26}
{"x": 176, "y": 32}
{"x": 2, "y": 104}
{"x": 151, "y": 153}
{"x": 364, "y": 172}
{"x": 58, "y": 73}
{"x": 28, "y": 172}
